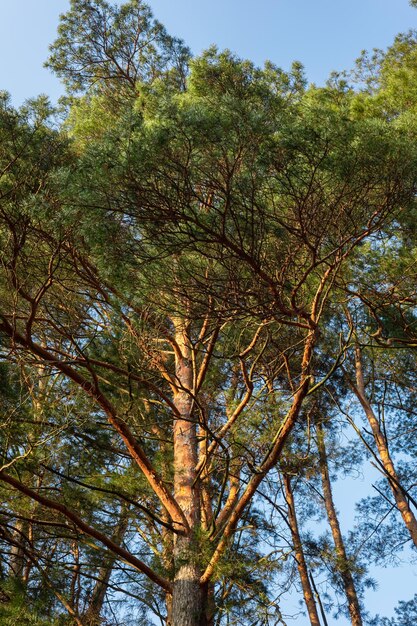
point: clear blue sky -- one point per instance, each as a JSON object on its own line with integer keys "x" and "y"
{"x": 324, "y": 35}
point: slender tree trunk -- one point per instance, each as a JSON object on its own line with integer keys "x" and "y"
{"x": 384, "y": 454}
{"x": 20, "y": 566}
{"x": 167, "y": 557}
{"x": 207, "y": 515}
{"x": 98, "y": 595}
{"x": 299, "y": 554}
{"x": 17, "y": 556}
{"x": 187, "y": 597}
{"x": 75, "y": 579}
{"x": 342, "y": 560}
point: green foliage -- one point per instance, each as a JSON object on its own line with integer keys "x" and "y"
{"x": 112, "y": 48}
{"x": 25, "y": 610}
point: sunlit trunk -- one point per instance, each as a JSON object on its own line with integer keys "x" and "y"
{"x": 187, "y": 598}
{"x": 17, "y": 557}
{"x": 299, "y": 554}
{"x": 384, "y": 454}
{"x": 342, "y": 560}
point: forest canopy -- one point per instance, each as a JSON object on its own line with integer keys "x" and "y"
{"x": 207, "y": 316}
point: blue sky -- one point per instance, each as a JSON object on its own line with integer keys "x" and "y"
{"x": 324, "y": 35}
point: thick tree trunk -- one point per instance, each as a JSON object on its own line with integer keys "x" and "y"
{"x": 299, "y": 555}
{"x": 342, "y": 560}
{"x": 384, "y": 454}
{"x": 187, "y": 598}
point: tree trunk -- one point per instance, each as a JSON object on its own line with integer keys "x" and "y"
{"x": 17, "y": 555}
{"x": 98, "y": 595}
{"x": 187, "y": 597}
{"x": 384, "y": 454}
{"x": 342, "y": 560}
{"x": 299, "y": 555}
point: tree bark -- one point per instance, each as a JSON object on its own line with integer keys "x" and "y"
{"x": 342, "y": 559}
{"x": 17, "y": 556}
{"x": 93, "y": 612}
{"x": 299, "y": 554}
{"x": 187, "y": 598}
{"x": 384, "y": 454}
